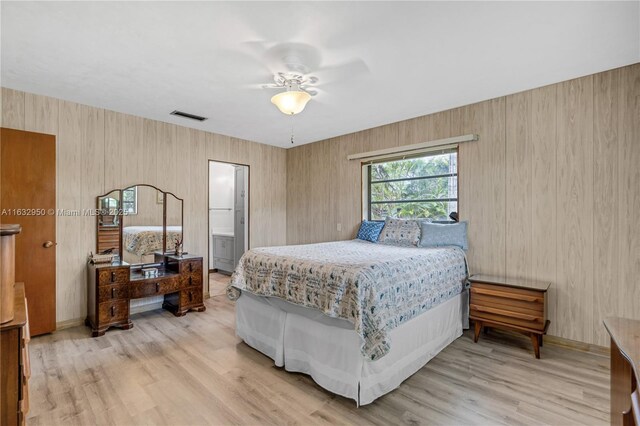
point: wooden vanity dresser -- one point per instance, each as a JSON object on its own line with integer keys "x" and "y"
{"x": 113, "y": 285}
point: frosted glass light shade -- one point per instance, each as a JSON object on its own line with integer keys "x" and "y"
{"x": 291, "y": 102}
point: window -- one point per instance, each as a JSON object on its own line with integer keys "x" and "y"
{"x": 130, "y": 200}
{"x": 424, "y": 187}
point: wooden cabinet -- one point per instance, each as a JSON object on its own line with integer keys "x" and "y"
{"x": 108, "y": 297}
{"x": 15, "y": 370}
{"x": 625, "y": 370}
{"x": 112, "y": 286}
{"x": 223, "y": 253}
{"x": 513, "y": 304}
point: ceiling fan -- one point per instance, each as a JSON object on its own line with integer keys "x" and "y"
{"x": 298, "y": 90}
{"x": 297, "y": 70}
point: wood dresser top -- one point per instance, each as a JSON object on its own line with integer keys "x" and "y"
{"x": 511, "y": 282}
{"x": 626, "y": 334}
{"x": 9, "y": 229}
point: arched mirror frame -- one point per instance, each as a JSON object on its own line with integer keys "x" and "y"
{"x": 119, "y": 215}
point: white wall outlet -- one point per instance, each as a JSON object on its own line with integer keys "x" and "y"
{"x": 339, "y": 227}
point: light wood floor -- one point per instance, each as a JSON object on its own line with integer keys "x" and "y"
{"x": 193, "y": 370}
{"x": 218, "y": 283}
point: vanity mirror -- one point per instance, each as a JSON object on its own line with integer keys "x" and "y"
{"x": 139, "y": 221}
{"x": 108, "y": 227}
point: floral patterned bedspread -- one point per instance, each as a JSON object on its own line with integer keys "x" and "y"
{"x": 376, "y": 287}
{"x": 143, "y": 240}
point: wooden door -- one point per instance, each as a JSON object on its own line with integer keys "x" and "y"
{"x": 28, "y": 198}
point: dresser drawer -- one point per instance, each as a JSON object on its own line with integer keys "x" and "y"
{"x": 191, "y": 280}
{"x": 191, "y": 267}
{"x": 113, "y": 276}
{"x": 113, "y": 311}
{"x": 191, "y": 297}
{"x": 26, "y": 361}
{"x": 113, "y": 292}
{"x": 154, "y": 287}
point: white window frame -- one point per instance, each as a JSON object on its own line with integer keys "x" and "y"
{"x": 365, "y": 172}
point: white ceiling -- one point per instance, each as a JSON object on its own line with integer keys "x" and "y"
{"x": 207, "y": 58}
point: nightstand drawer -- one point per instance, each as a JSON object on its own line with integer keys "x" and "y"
{"x": 531, "y": 296}
{"x": 507, "y": 300}
{"x": 532, "y": 320}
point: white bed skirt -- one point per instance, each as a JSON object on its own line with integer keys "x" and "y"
{"x": 306, "y": 341}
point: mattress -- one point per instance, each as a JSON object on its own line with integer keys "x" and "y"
{"x": 374, "y": 287}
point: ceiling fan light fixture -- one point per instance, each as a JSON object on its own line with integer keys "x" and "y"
{"x": 291, "y": 102}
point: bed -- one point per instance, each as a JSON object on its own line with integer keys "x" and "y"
{"x": 141, "y": 241}
{"x": 358, "y": 317}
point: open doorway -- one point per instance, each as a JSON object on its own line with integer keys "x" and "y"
{"x": 228, "y": 221}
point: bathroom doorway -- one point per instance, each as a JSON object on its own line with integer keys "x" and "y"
{"x": 228, "y": 221}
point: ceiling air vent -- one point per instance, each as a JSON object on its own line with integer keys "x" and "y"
{"x": 187, "y": 115}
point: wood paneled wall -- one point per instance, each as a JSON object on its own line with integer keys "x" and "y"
{"x": 98, "y": 150}
{"x": 551, "y": 191}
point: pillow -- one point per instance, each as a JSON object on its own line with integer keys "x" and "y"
{"x": 437, "y": 235}
{"x": 400, "y": 232}
{"x": 370, "y": 231}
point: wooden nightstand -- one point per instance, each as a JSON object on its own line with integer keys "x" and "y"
{"x": 512, "y": 304}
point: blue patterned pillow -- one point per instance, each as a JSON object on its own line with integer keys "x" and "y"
{"x": 370, "y": 231}
{"x": 437, "y": 235}
{"x": 400, "y": 232}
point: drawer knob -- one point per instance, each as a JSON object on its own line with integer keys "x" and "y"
{"x": 190, "y": 281}
{"x": 113, "y": 276}
{"x": 113, "y": 311}
{"x": 113, "y": 293}
{"x": 190, "y": 296}
{"x": 191, "y": 267}
{"x": 157, "y": 287}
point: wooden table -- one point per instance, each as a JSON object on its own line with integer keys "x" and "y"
{"x": 625, "y": 370}
{"x": 510, "y": 303}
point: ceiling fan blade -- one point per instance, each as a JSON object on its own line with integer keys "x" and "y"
{"x": 256, "y": 48}
{"x": 260, "y": 86}
{"x": 341, "y": 72}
